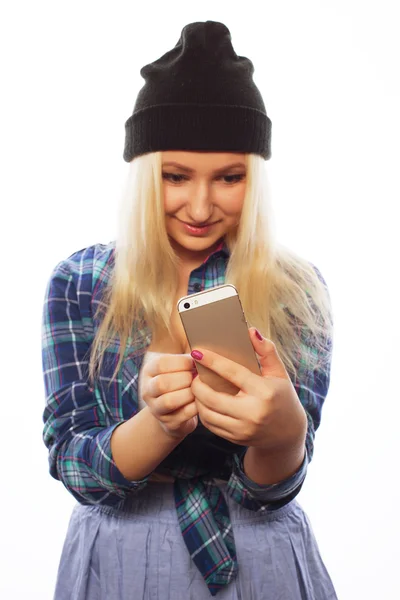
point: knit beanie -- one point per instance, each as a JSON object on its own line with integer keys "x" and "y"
{"x": 199, "y": 96}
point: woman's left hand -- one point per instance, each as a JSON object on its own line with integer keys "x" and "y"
{"x": 265, "y": 413}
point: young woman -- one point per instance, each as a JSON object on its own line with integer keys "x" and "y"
{"x": 183, "y": 492}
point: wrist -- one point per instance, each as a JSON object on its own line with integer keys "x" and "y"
{"x": 288, "y": 436}
{"x": 267, "y": 466}
{"x": 139, "y": 445}
{"x": 169, "y": 436}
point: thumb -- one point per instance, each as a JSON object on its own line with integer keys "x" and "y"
{"x": 269, "y": 359}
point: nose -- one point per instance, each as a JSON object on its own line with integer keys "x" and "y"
{"x": 200, "y": 206}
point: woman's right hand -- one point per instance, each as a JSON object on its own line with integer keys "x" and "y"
{"x": 165, "y": 386}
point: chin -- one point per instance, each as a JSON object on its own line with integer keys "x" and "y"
{"x": 196, "y": 243}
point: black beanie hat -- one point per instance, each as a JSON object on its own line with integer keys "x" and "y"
{"x": 199, "y": 96}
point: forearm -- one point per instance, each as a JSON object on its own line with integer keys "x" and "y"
{"x": 266, "y": 467}
{"x": 140, "y": 444}
{"x": 285, "y": 452}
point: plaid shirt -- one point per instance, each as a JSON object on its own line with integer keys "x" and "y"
{"x": 79, "y": 419}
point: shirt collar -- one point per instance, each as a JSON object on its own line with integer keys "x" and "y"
{"x": 222, "y": 248}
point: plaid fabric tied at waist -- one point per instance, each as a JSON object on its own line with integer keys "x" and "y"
{"x": 203, "y": 516}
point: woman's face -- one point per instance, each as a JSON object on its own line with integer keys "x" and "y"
{"x": 205, "y": 190}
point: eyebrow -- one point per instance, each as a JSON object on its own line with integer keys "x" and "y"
{"x": 189, "y": 170}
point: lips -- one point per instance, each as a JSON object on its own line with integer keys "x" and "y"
{"x": 197, "y": 226}
{"x": 196, "y": 229}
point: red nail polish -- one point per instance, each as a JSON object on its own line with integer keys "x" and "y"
{"x": 259, "y": 336}
{"x": 196, "y": 354}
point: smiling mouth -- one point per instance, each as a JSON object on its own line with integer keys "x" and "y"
{"x": 198, "y": 226}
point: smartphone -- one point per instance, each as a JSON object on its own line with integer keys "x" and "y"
{"x": 214, "y": 320}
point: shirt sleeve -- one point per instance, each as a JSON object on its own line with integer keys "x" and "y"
{"x": 312, "y": 388}
{"x": 77, "y": 426}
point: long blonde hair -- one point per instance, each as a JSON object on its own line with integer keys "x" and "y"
{"x": 280, "y": 292}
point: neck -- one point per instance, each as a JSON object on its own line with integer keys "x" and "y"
{"x": 190, "y": 259}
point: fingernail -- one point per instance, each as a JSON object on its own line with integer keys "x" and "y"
{"x": 196, "y": 354}
{"x": 259, "y": 336}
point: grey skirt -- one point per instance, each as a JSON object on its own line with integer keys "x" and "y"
{"x": 138, "y": 553}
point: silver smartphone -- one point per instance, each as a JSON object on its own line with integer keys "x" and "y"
{"x": 214, "y": 320}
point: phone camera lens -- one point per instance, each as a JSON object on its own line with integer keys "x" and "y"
{"x": 186, "y": 305}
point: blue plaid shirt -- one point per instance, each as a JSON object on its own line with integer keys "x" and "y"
{"x": 79, "y": 419}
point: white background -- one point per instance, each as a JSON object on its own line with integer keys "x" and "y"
{"x": 329, "y": 75}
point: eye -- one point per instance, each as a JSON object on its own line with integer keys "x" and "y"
{"x": 233, "y": 178}
{"x": 173, "y": 177}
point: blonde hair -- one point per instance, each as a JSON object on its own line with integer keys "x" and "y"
{"x": 281, "y": 293}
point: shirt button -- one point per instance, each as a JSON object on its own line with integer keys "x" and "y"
{"x": 197, "y": 287}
